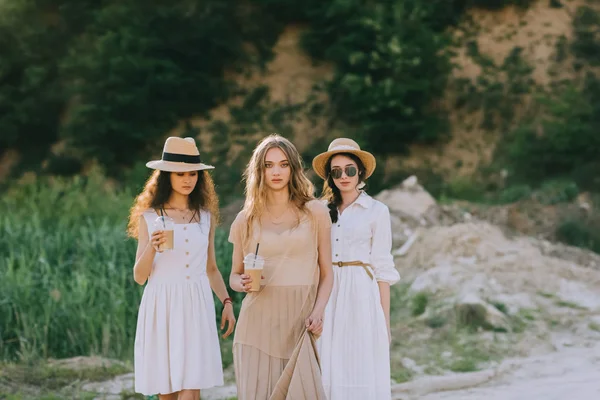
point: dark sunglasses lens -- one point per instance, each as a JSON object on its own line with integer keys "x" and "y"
{"x": 350, "y": 171}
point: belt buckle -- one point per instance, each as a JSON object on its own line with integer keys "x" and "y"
{"x": 340, "y": 264}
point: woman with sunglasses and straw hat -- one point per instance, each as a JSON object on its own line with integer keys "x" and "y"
{"x": 176, "y": 343}
{"x": 354, "y": 346}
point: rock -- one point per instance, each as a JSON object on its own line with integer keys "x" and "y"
{"x": 112, "y": 388}
{"x": 565, "y": 252}
{"x": 410, "y": 182}
{"x": 411, "y": 365}
{"x": 473, "y": 311}
{"x": 409, "y": 200}
{"x": 411, "y": 207}
{"x": 454, "y": 381}
{"x": 434, "y": 279}
{"x": 79, "y": 363}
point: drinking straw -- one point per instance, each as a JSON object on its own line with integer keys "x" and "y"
{"x": 255, "y": 254}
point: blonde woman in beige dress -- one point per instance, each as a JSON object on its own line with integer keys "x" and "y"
{"x": 294, "y": 232}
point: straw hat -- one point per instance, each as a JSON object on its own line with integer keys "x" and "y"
{"x": 344, "y": 145}
{"x": 179, "y": 155}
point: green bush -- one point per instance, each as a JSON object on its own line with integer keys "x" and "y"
{"x": 31, "y": 99}
{"x": 557, "y": 191}
{"x": 514, "y": 193}
{"x": 134, "y": 78}
{"x": 580, "y": 232}
{"x": 419, "y": 303}
{"x": 111, "y": 78}
{"x": 586, "y": 42}
{"x": 565, "y": 142}
{"x": 391, "y": 66}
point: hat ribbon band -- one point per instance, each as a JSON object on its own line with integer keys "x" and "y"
{"x": 344, "y": 147}
{"x": 181, "y": 158}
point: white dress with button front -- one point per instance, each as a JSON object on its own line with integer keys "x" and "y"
{"x": 354, "y": 346}
{"x": 176, "y": 341}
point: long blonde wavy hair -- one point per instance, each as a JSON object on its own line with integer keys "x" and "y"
{"x": 157, "y": 191}
{"x": 300, "y": 187}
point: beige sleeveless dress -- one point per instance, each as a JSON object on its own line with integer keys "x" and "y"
{"x": 271, "y": 325}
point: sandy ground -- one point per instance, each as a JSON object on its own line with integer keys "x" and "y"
{"x": 571, "y": 373}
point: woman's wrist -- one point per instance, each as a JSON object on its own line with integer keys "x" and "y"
{"x": 151, "y": 248}
{"x": 318, "y": 309}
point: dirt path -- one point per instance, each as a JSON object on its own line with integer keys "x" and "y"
{"x": 572, "y": 373}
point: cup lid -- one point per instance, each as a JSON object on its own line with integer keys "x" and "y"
{"x": 252, "y": 256}
{"x": 164, "y": 221}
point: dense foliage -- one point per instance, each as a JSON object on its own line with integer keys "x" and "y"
{"x": 109, "y": 78}
{"x": 561, "y": 139}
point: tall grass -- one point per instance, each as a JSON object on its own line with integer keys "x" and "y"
{"x": 66, "y": 285}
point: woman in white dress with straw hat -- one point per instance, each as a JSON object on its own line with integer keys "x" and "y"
{"x": 354, "y": 346}
{"x": 176, "y": 343}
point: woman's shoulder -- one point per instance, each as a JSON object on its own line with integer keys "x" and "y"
{"x": 317, "y": 205}
{"x": 378, "y": 206}
{"x": 149, "y": 212}
{"x": 318, "y": 208}
{"x": 239, "y": 219}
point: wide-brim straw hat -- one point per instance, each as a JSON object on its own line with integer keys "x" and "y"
{"x": 179, "y": 155}
{"x": 344, "y": 145}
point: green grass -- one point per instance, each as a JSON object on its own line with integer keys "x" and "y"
{"x": 546, "y": 295}
{"x": 402, "y": 374}
{"x": 569, "y": 304}
{"x": 463, "y": 365}
{"x": 54, "y": 378}
{"x": 66, "y": 285}
{"x": 19, "y": 396}
{"x": 441, "y": 342}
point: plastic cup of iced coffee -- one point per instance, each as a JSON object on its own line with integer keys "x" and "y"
{"x": 253, "y": 266}
{"x": 166, "y": 224}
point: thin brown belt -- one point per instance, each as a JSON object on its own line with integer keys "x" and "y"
{"x": 355, "y": 264}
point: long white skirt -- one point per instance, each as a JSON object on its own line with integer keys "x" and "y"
{"x": 176, "y": 341}
{"x": 354, "y": 346}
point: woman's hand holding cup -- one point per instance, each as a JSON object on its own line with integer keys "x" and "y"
{"x": 245, "y": 282}
{"x": 158, "y": 238}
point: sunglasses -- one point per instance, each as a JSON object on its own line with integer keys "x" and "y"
{"x": 336, "y": 173}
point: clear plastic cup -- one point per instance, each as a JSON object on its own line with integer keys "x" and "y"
{"x": 253, "y": 266}
{"x": 164, "y": 223}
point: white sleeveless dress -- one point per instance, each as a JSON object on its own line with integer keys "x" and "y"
{"x": 176, "y": 341}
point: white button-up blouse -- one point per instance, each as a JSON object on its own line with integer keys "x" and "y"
{"x": 363, "y": 232}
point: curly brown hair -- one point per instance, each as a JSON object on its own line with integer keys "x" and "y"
{"x": 157, "y": 191}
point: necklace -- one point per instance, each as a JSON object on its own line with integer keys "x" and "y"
{"x": 276, "y": 220}
{"x": 184, "y": 211}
